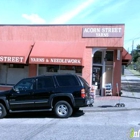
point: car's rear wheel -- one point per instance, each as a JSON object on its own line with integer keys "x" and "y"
{"x": 3, "y": 112}
{"x": 62, "y": 109}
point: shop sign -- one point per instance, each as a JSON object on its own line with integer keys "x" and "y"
{"x": 12, "y": 59}
{"x": 55, "y": 60}
{"x": 102, "y": 32}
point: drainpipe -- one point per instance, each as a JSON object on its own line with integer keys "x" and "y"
{"x": 103, "y": 73}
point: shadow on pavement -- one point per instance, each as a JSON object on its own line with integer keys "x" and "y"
{"x": 78, "y": 113}
{"x": 39, "y": 115}
{"x": 105, "y": 106}
{"x": 31, "y": 115}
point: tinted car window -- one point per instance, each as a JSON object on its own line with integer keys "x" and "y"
{"x": 84, "y": 81}
{"x": 45, "y": 82}
{"x": 25, "y": 84}
{"x": 67, "y": 80}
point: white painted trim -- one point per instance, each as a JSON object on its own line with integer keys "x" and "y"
{"x": 91, "y": 70}
{"x": 103, "y": 50}
{"x": 37, "y": 69}
{"x": 103, "y": 72}
{"x": 97, "y": 49}
{"x": 118, "y": 54}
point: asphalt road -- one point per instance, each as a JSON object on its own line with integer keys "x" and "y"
{"x": 81, "y": 126}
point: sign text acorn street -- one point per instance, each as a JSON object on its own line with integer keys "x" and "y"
{"x": 102, "y": 32}
{"x": 14, "y": 59}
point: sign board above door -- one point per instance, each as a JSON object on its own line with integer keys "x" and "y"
{"x": 100, "y": 32}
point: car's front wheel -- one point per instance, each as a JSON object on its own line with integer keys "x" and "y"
{"x": 2, "y": 111}
{"x": 63, "y": 109}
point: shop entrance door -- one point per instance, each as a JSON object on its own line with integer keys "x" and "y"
{"x": 97, "y": 77}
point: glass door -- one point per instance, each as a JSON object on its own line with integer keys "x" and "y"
{"x": 97, "y": 76}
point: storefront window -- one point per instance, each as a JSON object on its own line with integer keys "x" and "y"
{"x": 97, "y": 58}
{"x": 17, "y": 65}
{"x": 59, "y": 69}
{"x": 52, "y": 68}
{"x": 109, "y": 55}
{"x": 78, "y": 69}
{"x": 67, "y": 68}
{"x": 12, "y": 73}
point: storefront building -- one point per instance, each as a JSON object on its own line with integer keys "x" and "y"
{"x": 93, "y": 51}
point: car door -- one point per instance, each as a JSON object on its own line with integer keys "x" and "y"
{"x": 21, "y": 97}
{"x": 44, "y": 88}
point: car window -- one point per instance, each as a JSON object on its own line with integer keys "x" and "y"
{"x": 67, "y": 80}
{"x": 25, "y": 84}
{"x": 45, "y": 82}
{"x": 84, "y": 81}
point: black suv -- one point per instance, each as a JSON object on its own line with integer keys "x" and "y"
{"x": 63, "y": 93}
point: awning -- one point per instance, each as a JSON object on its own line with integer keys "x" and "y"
{"x": 15, "y": 51}
{"x": 58, "y": 53}
{"x": 126, "y": 57}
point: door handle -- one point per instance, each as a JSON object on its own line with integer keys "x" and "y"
{"x": 31, "y": 92}
{"x": 51, "y": 92}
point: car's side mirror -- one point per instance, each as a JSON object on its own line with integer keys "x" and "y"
{"x": 16, "y": 89}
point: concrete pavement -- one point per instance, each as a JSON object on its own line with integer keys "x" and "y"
{"x": 130, "y": 85}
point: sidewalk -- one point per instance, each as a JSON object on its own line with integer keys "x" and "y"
{"x": 108, "y": 104}
{"x": 130, "y": 97}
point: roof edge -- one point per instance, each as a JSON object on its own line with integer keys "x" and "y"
{"x": 61, "y": 24}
